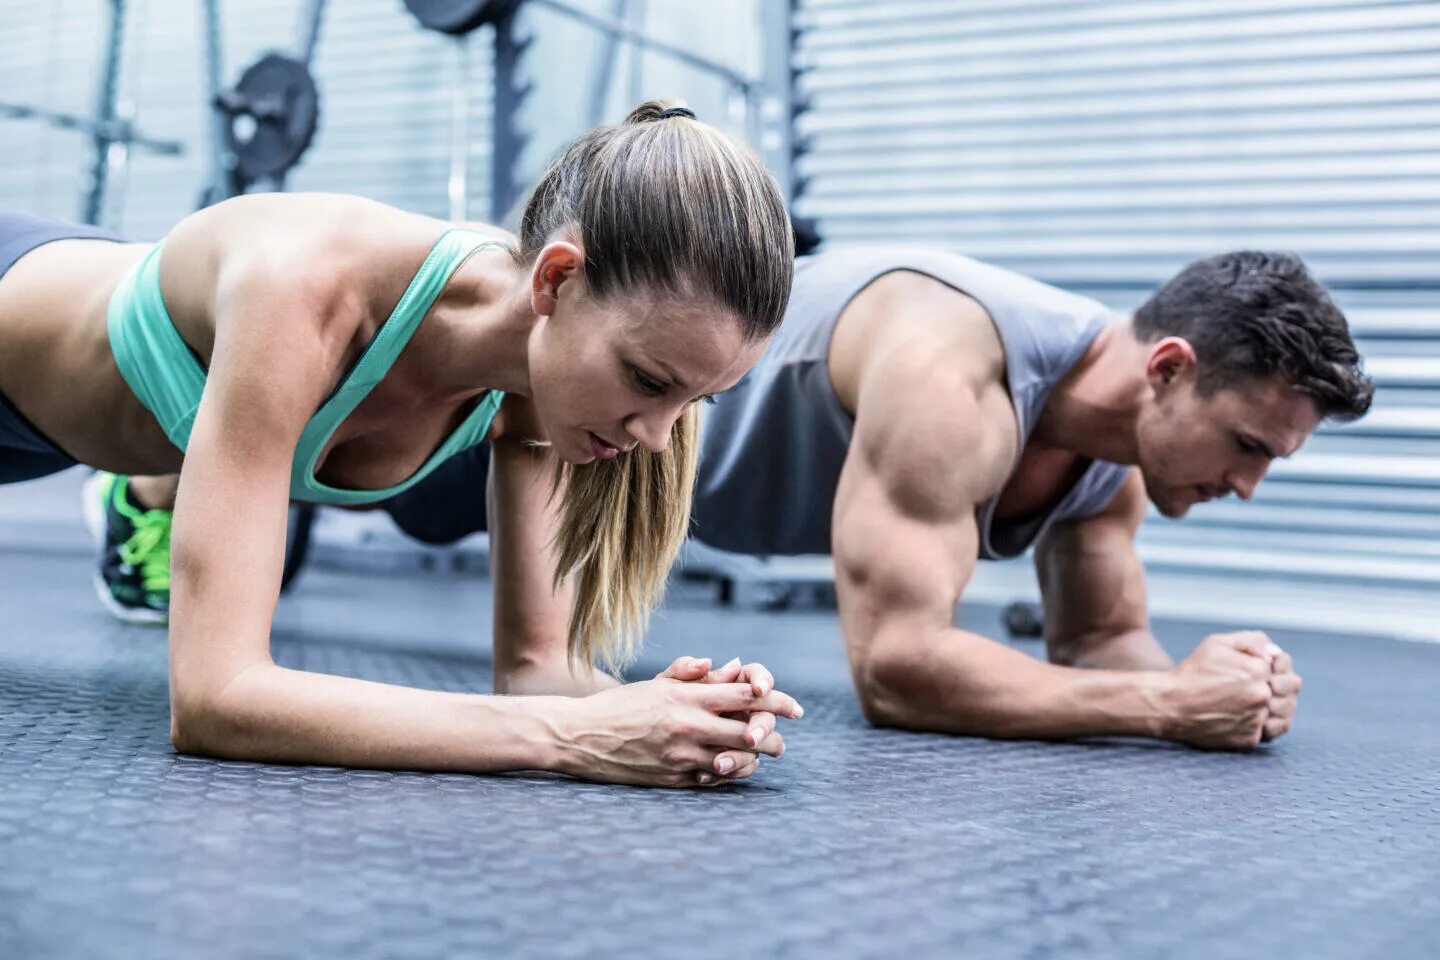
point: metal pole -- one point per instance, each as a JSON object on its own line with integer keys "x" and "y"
{"x": 605, "y": 66}
{"x": 222, "y": 165}
{"x": 459, "y": 185}
{"x": 623, "y": 32}
{"x": 305, "y": 52}
{"x": 773, "y": 112}
{"x": 310, "y": 30}
{"x": 93, "y": 200}
{"x": 506, "y": 141}
{"x": 636, "y": 19}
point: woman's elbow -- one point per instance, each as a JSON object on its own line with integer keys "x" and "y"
{"x": 205, "y": 719}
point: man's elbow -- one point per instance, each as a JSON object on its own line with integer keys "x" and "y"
{"x": 888, "y": 686}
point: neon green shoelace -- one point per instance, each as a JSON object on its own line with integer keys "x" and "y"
{"x": 149, "y": 548}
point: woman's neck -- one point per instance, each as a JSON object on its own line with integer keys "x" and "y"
{"x": 478, "y": 335}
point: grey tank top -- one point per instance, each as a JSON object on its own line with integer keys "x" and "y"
{"x": 773, "y": 446}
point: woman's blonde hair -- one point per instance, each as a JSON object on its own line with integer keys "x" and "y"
{"x": 661, "y": 203}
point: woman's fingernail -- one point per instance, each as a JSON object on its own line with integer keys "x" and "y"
{"x": 1273, "y": 650}
{"x": 705, "y": 779}
{"x": 733, "y": 663}
{"x": 757, "y": 734}
{"x": 799, "y": 711}
{"x": 724, "y": 765}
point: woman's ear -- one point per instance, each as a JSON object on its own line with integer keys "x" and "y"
{"x": 558, "y": 263}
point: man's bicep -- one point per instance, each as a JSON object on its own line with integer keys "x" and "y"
{"x": 894, "y": 563}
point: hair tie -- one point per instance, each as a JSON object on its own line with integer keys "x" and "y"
{"x": 669, "y": 112}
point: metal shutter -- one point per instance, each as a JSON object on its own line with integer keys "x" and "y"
{"x": 1102, "y": 145}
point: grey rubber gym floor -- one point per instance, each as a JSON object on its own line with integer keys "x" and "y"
{"x": 858, "y": 843}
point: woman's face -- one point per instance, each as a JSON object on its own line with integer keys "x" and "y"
{"x": 606, "y": 376}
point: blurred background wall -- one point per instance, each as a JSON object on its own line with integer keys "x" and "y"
{"x": 1097, "y": 145}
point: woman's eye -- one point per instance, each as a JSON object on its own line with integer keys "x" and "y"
{"x": 652, "y": 387}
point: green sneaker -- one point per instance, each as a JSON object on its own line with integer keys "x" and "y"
{"x": 132, "y": 574}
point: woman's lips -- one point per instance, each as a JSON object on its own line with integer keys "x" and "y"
{"x": 601, "y": 449}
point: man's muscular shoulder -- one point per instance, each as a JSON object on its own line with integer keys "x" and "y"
{"x": 933, "y": 416}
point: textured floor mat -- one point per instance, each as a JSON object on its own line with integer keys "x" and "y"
{"x": 858, "y": 843}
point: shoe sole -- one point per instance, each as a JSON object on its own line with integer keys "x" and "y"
{"x": 94, "y": 515}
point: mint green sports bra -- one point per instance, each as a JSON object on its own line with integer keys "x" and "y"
{"x": 169, "y": 380}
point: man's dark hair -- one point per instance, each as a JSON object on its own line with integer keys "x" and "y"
{"x": 1256, "y": 315}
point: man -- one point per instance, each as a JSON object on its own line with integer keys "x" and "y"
{"x": 920, "y": 411}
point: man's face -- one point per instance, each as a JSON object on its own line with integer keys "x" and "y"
{"x": 1194, "y": 448}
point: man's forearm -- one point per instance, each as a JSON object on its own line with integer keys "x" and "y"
{"x": 961, "y": 682}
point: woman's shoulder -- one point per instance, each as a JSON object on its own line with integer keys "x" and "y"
{"x": 294, "y": 224}
{"x": 490, "y": 231}
{"x": 319, "y": 241}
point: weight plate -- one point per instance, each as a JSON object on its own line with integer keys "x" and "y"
{"x": 459, "y": 17}
{"x": 279, "y": 97}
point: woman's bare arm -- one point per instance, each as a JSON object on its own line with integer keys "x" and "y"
{"x": 531, "y": 624}
{"x": 272, "y": 364}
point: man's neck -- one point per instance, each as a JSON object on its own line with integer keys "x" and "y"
{"x": 1094, "y": 410}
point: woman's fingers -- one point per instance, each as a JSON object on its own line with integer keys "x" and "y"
{"x": 759, "y": 678}
{"x": 728, "y": 697}
{"x": 726, "y": 674}
{"x": 761, "y": 726}
{"x": 735, "y": 764}
{"x": 686, "y": 668}
{"x": 707, "y": 779}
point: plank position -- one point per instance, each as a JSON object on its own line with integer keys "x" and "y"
{"x": 920, "y": 412}
{"x": 331, "y": 349}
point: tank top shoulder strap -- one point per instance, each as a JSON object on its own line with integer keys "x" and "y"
{"x": 452, "y": 249}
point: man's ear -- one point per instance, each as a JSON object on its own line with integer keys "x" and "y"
{"x": 1170, "y": 360}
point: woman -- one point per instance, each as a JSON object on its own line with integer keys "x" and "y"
{"x": 271, "y": 347}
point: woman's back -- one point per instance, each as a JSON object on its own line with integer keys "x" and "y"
{"x": 352, "y": 257}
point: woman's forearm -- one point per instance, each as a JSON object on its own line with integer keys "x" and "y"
{"x": 273, "y": 714}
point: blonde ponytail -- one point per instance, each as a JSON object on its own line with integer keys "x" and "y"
{"x": 622, "y": 524}
{"x": 662, "y": 203}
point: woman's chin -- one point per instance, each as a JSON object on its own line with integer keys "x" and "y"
{"x": 576, "y": 454}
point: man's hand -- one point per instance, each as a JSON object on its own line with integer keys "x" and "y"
{"x": 1284, "y": 693}
{"x": 1234, "y": 690}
